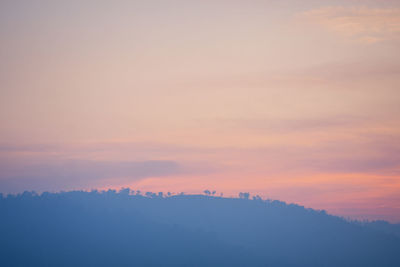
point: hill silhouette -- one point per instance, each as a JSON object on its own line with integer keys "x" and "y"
{"x": 127, "y": 228}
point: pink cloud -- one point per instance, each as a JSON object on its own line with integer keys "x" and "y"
{"x": 366, "y": 25}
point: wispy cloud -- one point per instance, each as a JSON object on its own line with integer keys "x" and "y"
{"x": 56, "y": 166}
{"x": 367, "y": 25}
{"x": 17, "y": 175}
{"x": 295, "y": 125}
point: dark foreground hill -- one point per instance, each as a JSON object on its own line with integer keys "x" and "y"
{"x": 120, "y": 229}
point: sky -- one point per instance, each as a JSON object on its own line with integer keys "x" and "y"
{"x": 292, "y": 100}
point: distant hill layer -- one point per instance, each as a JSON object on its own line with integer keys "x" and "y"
{"x": 120, "y": 229}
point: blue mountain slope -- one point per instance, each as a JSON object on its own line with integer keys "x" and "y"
{"x": 119, "y": 229}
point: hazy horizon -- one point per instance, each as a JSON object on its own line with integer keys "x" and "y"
{"x": 130, "y": 228}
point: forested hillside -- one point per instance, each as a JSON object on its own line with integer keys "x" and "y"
{"x": 128, "y": 229}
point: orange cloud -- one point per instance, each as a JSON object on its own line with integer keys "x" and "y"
{"x": 367, "y": 25}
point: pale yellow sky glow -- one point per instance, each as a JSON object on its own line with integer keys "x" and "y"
{"x": 292, "y": 100}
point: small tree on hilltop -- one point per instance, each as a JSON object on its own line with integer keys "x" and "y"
{"x": 244, "y": 195}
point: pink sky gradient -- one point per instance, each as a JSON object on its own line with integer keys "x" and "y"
{"x": 291, "y": 100}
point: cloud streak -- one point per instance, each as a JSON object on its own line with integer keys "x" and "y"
{"x": 62, "y": 174}
{"x": 367, "y": 25}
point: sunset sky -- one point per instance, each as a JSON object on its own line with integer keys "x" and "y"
{"x": 292, "y": 100}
